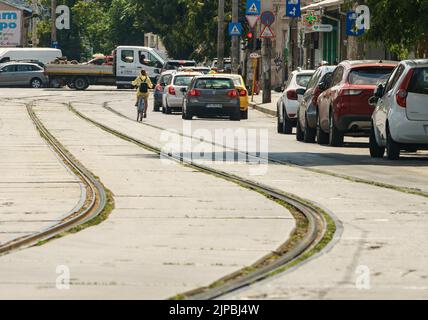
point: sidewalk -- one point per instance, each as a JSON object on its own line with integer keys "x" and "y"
{"x": 268, "y": 108}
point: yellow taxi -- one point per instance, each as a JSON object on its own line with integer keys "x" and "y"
{"x": 243, "y": 94}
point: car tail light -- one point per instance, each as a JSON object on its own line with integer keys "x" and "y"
{"x": 171, "y": 90}
{"x": 243, "y": 93}
{"x": 233, "y": 93}
{"x": 292, "y": 95}
{"x": 351, "y": 92}
{"x": 402, "y": 93}
{"x": 194, "y": 93}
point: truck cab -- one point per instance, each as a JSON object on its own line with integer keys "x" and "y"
{"x": 130, "y": 60}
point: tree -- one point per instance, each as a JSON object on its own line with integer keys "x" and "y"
{"x": 401, "y": 25}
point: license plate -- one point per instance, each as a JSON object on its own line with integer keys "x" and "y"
{"x": 212, "y": 105}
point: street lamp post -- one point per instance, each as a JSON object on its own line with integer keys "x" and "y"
{"x": 220, "y": 35}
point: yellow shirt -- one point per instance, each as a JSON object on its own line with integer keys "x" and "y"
{"x": 140, "y": 80}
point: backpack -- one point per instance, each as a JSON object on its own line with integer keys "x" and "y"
{"x": 144, "y": 88}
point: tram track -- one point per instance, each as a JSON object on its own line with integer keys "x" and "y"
{"x": 319, "y": 228}
{"x": 93, "y": 204}
{"x": 407, "y": 190}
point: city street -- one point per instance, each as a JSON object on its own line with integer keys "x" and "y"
{"x": 174, "y": 228}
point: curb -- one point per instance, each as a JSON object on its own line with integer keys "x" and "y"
{"x": 260, "y": 108}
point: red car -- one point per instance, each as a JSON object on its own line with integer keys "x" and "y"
{"x": 344, "y": 109}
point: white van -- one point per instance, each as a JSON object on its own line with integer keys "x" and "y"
{"x": 131, "y": 60}
{"x": 44, "y": 55}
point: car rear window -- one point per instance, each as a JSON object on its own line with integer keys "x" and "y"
{"x": 183, "y": 80}
{"x": 303, "y": 79}
{"x": 419, "y": 82}
{"x": 369, "y": 76}
{"x": 214, "y": 83}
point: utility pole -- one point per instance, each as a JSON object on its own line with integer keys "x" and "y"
{"x": 267, "y": 70}
{"x": 53, "y": 25}
{"x": 220, "y": 35}
{"x": 235, "y": 39}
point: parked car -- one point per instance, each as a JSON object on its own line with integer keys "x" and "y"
{"x": 177, "y": 64}
{"x": 15, "y": 74}
{"x": 288, "y": 103}
{"x": 343, "y": 109}
{"x": 308, "y": 107}
{"x": 173, "y": 96}
{"x": 212, "y": 96}
{"x": 164, "y": 80}
{"x": 400, "y": 120}
{"x": 44, "y": 55}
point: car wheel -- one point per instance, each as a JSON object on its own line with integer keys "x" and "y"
{"x": 244, "y": 115}
{"x": 81, "y": 84}
{"x": 36, "y": 83}
{"x": 299, "y": 132}
{"x": 322, "y": 137}
{"x": 156, "y": 107}
{"x": 335, "y": 137}
{"x": 392, "y": 148}
{"x": 309, "y": 134}
{"x": 236, "y": 116}
{"x": 287, "y": 124}
{"x": 280, "y": 125}
{"x": 376, "y": 151}
{"x": 167, "y": 108}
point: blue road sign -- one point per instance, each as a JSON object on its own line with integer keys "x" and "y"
{"x": 253, "y": 7}
{"x": 267, "y": 18}
{"x": 351, "y": 26}
{"x": 235, "y": 29}
{"x": 292, "y": 8}
{"x": 55, "y": 45}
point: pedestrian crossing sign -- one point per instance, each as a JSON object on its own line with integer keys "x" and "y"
{"x": 267, "y": 33}
{"x": 253, "y": 7}
{"x": 235, "y": 29}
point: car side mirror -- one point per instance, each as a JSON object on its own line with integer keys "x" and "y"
{"x": 300, "y": 92}
{"x": 379, "y": 91}
{"x": 373, "y": 101}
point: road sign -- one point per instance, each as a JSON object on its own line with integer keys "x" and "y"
{"x": 55, "y": 45}
{"x": 252, "y": 20}
{"x": 292, "y": 8}
{"x": 322, "y": 28}
{"x": 267, "y": 33}
{"x": 267, "y": 18}
{"x": 253, "y": 7}
{"x": 235, "y": 29}
{"x": 351, "y": 25}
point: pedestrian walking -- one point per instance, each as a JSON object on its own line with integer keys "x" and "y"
{"x": 143, "y": 84}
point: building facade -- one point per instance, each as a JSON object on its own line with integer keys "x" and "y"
{"x": 15, "y": 20}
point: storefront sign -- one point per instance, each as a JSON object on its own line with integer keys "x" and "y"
{"x": 10, "y": 28}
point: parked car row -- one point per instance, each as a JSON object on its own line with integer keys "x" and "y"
{"x": 384, "y": 100}
{"x": 194, "y": 93}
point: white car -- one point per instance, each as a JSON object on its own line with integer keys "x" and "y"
{"x": 288, "y": 103}
{"x": 173, "y": 95}
{"x": 400, "y": 120}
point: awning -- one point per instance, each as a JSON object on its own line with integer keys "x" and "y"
{"x": 19, "y": 4}
{"x": 323, "y": 4}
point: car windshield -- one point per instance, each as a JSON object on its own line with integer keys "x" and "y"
{"x": 214, "y": 83}
{"x": 369, "y": 76}
{"x": 419, "y": 82}
{"x": 303, "y": 79}
{"x": 182, "y": 80}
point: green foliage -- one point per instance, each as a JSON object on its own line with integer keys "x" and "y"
{"x": 401, "y": 25}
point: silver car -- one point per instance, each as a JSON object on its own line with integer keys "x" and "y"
{"x": 173, "y": 95}
{"x": 22, "y": 74}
